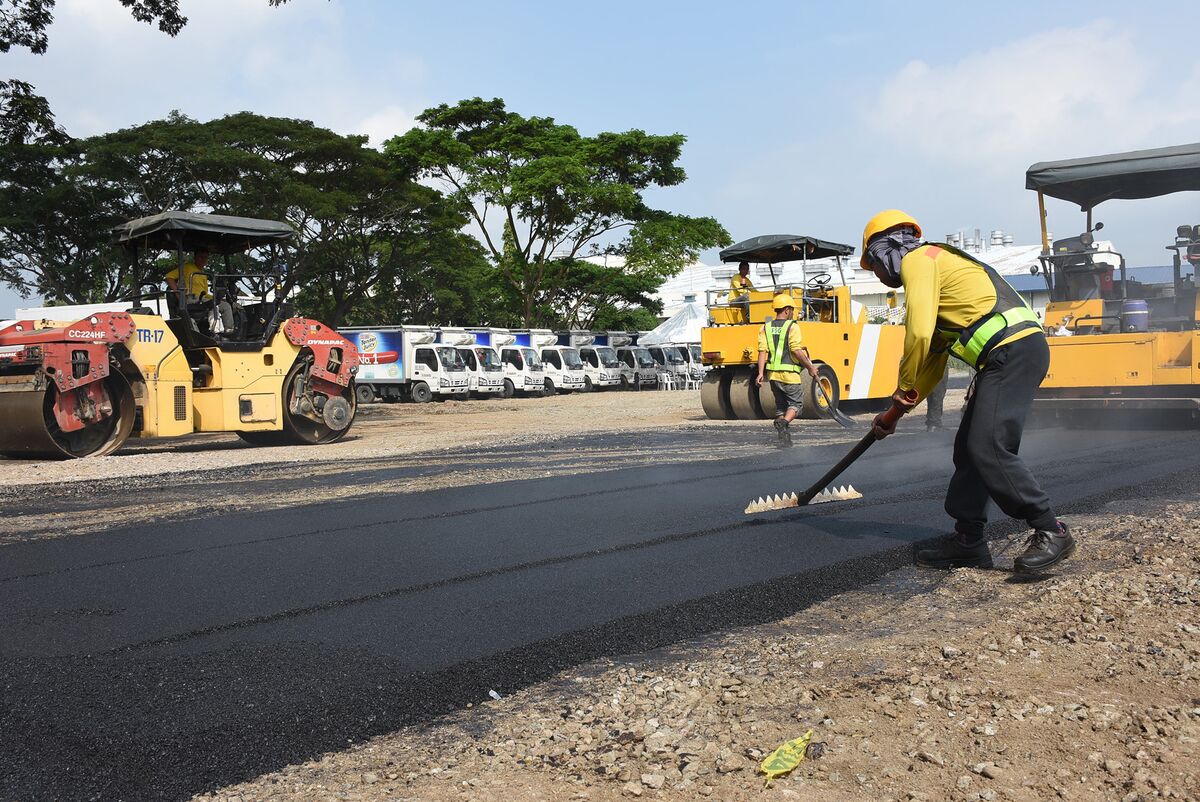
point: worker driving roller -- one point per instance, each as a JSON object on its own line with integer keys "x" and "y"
{"x": 195, "y": 280}
{"x": 739, "y": 289}
{"x": 780, "y": 353}
{"x": 958, "y": 305}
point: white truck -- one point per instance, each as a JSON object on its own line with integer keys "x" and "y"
{"x": 485, "y": 373}
{"x": 669, "y": 360}
{"x": 601, "y": 368}
{"x": 561, "y": 364}
{"x": 406, "y": 363}
{"x": 523, "y": 372}
{"x": 638, "y": 368}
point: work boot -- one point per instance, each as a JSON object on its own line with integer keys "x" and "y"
{"x": 1045, "y": 548}
{"x": 785, "y": 435}
{"x": 952, "y": 552}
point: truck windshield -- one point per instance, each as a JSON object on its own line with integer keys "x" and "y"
{"x": 531, "y": 359}
{"x": 450, "y": 357}
{"x": 571, "y": 359}
{"x": 608, "y": 357}
{"x": 644, "y": 359}
{"x": 672, "y": 355}
{"x": 696, "y": 354}
{"x": 487, "y": 357}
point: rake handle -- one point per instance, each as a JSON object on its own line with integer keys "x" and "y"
{"x": 891, "y": 416}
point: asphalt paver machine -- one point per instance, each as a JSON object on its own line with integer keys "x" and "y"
{"x": 1117, "y": 343}
{"x": 79, "y": 388}
{"x": 857, "y": 360}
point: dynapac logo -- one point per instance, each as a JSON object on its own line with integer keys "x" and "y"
{"x": 87, "y": 335}
{"x": 327, "y": 342}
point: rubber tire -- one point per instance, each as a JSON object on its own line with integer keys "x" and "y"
{"x": 766, "y": 397}
{"x": 550, "y": 389}
{"x": 509, "y": 390}
{"x": 587, "y": 384}
{"x": 365, "y": 393}
{"x": 743, "y": 395}
{"x": 290, "y": 435}
{"x": 637, "y": 382}
{"x": 420, "y": 393}
{"x": 813, "y": 406}
{"x": 714, "y": 394}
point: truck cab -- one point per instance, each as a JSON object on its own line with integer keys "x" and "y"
{"x": 600, "y": 365}
{"x": 670, "y": 359}
{"x": 638, "y": 368}
{"x": 522, "y": 366}
{"x": 485, "y": 373}
{"x": 563, "y": 371}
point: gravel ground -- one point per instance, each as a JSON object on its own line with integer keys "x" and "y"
{"x": 967, "y": 685}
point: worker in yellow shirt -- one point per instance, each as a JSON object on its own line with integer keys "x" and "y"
{"x": 784, "y": 360}
{"x": 957, "y": 305}
{"x": 195, "y": 280}
{"x": 739, "y": 289}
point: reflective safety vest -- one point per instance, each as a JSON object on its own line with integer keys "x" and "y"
{"x": 1009, "y": 315}
{"x": 779, "y": 356}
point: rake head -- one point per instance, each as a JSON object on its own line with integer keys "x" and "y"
{"x": 787, "y": 500}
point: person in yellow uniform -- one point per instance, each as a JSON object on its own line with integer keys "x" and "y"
{"x": 958, "y": 306}
{"x": 195, "y": 280}
{"x": 782, "y": 360}
{"x": 739, "y": 289}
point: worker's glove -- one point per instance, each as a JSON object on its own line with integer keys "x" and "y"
{"x": 885, "y": 422}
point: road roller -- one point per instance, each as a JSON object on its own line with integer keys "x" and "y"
{"x": 857, "y": 361}
{"x": 229, "y": 356}
{"x": 1121, "y": 350}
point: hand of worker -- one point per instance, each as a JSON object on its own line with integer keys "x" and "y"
{"x": 906, "y": 400}
{"x": 883, "y": 425}
{"x": 758, "y": 380}
{"x": 812, "y": 370}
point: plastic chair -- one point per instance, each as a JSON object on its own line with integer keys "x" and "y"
{"x": 666, "y": 381}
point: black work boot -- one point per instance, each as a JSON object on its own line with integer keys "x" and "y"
{"x": 785, "y": 435}
{"x": 1046, "y": 548}
{"x": 952, "y": 552}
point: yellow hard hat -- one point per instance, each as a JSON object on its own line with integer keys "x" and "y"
{"x": 783, "y": 301}
{"x": 887, "y": 219}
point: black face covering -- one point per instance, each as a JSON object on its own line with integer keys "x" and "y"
{"x": 886, "y": 250}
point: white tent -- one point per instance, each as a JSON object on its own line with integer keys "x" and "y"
{"x": 682, "y": 327}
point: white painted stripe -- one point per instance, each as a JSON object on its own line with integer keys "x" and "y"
{"x": 857, "y": 312}
{"x": 864, "y": 363}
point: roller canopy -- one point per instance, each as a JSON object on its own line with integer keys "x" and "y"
{"x": 773, "y": 248}
{"x": 1125, "y": 176}
{"x": 218, "y": 233}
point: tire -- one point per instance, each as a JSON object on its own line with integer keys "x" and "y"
{"x": 550, "y": 389}
{"x": 299, "y": 429}
{"x": 743, "y": 395}
{"x": 766, "y": 398}
{"x": 624, "y": 382}
{"x": 510, "y": 389}
{"x": 587, "y": 384}
{"x": 714, "y": 394}
{"x": 814, "y": 405}
{"x": 365, "y": 393}
{"x": 421, "y": 393}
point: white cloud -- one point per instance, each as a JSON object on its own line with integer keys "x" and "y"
{"x": 385, "y": 124}
{"x": 1053, "y": 94}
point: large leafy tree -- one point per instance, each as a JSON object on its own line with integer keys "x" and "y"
{"x": 541, "y": 195}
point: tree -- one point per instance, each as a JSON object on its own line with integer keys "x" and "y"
{"x": 541, "y": 195}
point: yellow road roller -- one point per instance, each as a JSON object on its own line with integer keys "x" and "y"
{"x": 1117, "y": 343}
{"x": 229, "y": 356}
{"x": 857, "y": 360}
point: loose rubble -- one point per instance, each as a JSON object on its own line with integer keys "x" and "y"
{"x": 971, "y": 685}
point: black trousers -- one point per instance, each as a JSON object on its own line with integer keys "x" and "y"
{"x": 986, "y": 464}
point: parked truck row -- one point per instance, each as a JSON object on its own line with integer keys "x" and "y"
{"x": 423, "y": 363}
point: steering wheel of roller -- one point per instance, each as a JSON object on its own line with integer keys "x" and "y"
{"x": 819, "y": 280}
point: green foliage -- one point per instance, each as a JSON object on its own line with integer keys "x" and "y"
{"x": 542, "y": 195}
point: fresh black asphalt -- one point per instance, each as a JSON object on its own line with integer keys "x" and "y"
{"x": 158, "y": 661}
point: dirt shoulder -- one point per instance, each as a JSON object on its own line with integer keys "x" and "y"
{"x": 968, "y": 685}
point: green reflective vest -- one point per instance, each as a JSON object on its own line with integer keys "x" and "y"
{"x": 779, "y": 356}
{"x": 1009, "y": 315}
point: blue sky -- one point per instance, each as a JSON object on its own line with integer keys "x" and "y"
{"x": 800, "y": 118}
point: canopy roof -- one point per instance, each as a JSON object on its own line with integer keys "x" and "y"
{"x": 773, "y": 248}
{"x": 218, "y": 233}
{"x": 682, "y": 327}
{"x": 1126, "y": 176}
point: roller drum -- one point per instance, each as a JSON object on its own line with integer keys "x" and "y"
{"x": 28, "y": 429}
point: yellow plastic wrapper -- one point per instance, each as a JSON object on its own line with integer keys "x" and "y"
{"x": 785, "y": 758}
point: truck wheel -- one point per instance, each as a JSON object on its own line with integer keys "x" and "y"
{"x": 587, "y": 384}
{"x": 421, "y": 393}
{"x": 714, "y": 394}
{"x": 743, "y": 395}
{"x": 814, "y": 405}
{"x": 365, "y": 393}
{"x": 509, "y": 389}
{"x": 549, "y": 389}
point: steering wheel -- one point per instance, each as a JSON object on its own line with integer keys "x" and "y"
{"x": 819, "y": 280}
